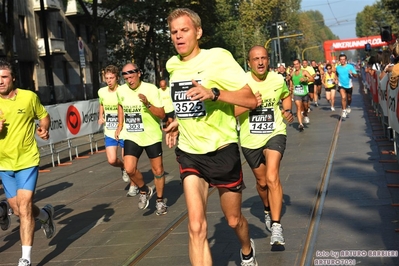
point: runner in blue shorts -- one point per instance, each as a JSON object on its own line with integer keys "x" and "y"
{"x": 108, "y": 116}
{"x": 19, "y": 164}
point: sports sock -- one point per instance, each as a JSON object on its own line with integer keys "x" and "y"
{"x": 249, "y": 256}
{"x": 43, "y": 215}
{"x": 26, "y": 252}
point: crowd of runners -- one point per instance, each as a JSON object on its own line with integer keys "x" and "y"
{"x": 198, "y": 108}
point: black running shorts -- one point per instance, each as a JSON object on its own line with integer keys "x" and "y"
{"x": 132, "y": 148}
{"x": 255, "y": 157}
{"x": 220, "y": 168}
{"x": 311, "y": 88}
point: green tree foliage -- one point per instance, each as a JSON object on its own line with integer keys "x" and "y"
{"x": 148, "y": 42}
{"x": 392, "y": 7}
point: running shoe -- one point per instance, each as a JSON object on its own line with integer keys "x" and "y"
{"x": 252, "y": 261}
{"x": 348, "y": 109}
{"x": 306, "y": 120}
{"x": 133, "y": 191}
{"x": 125, "y": 176}
{"x": 268, "y": 221}
{"x": 144, "y": 199}
{"x": 277, "y": 237}
{"x": 344, "y": 114}
{"x": 23, "y": 262}
{"x": 5, "y": 221}
{"x": 49, "y": 225}
{"x": 161, "y": 207}
{"x": 316, "y": 104}
{"x": 301, "y": 127}
{"x": 332, "y": 108}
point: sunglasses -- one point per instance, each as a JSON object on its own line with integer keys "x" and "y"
{"x": 130, "y": 72}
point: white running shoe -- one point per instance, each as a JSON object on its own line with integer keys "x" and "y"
{"x": 306, "y": 120}
{"x": 144, "y": 199}
{"x": 344, "y": 114}
{"x": 277, "y": 237}
{"x": 125, "y": 176}
{"x": 348, "y": 109}
{"x": 252, "y": 261}
{"x": 133, "y": 191}
{"x": 23, "y": 262}
{"x": 161, "y": 207}
{"x": 332, "y": 108}
{"x": 268, "y": 221}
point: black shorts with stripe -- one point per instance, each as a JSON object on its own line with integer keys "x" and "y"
{"x": 220, "y": 168}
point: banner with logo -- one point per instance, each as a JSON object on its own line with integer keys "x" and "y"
{"x": 71, "y": 120}
{"x": 57, "y": 130}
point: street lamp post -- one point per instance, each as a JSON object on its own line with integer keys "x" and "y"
{"x": 279, "y": 25}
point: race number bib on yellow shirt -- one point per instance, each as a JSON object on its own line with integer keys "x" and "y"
{"x": 111, "y": 121}
{"x": 261, "y": 121}
{"x": 134, "y": 122}
{"x": 184, "y": 107}
{"x": 330, "y": 81}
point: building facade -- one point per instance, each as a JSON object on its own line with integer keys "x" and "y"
{"x": 52, "y": 50}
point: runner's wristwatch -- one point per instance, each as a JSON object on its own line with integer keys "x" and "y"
{"x": 215, "y": 92}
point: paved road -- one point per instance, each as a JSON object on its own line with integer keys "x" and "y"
{"x": 98, "y": 225}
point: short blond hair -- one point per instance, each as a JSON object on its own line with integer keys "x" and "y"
{"x": 185, "y": 12}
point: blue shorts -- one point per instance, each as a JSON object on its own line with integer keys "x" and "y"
{"x": 21, "y": 179}
{"x": 110, "y": 142}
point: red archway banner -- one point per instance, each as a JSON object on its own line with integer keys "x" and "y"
{"x": 331, "y": 46}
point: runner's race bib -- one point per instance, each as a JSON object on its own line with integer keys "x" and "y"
{"x": 134, "y": 122}
{"x": 184, "y": 107}
{"x": 111, "y": 121}
{"x": 261, "y": 121}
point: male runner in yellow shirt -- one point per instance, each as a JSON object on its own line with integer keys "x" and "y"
{"x": 205, "y": 86}
{"x": 20, "y": 157}
{"x": 109, "y": 117}
{"x": 139, "y": 113}
{"x": 263, "y": 136}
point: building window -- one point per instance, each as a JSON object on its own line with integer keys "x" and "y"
{"x": 23, "y": 27}
{"x": 60, "y": 30}
{"x": 65, "y": 72}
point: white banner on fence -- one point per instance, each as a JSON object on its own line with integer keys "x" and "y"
{"x": 71, "y": 120}
{"x": 383, "y": 94}
{"x": 393, "y": 113}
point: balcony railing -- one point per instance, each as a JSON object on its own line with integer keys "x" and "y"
{"x": 57, "y": 46}
{"x": 73, "y": 8}
{"x": 51, "y": 5}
